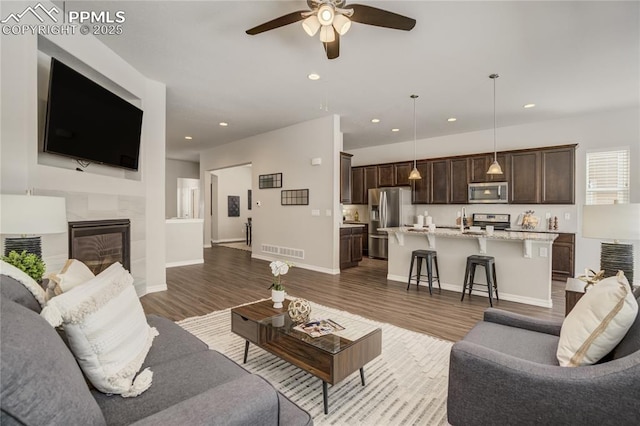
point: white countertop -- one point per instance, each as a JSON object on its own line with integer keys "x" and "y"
{"x": 455, "y": 233}
{"x": 352, "y": 225}
{"x": 178, "y": 220}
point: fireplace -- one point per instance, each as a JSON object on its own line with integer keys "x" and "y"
{"x": 100, "y": 243}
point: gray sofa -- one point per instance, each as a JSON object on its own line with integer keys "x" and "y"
{"x": 41, "y": 383}
{"x": 505, "y": 372}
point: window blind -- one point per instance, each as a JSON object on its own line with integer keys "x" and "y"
{"x": 608, "y": 177}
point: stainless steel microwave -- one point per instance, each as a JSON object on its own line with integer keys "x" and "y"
{"x": 488, "y": 192}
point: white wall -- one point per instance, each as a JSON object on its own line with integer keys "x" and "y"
{"x": 612, "y": 129}
{"x": 289, "y": 151}
{"x": 231, "y": 181}
{"x": 140, "y": 197}
{"x": 177, "y": 169}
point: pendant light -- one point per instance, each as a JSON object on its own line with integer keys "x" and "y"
{"x": 494, "y": 168}
{"x": 415, "y": 174}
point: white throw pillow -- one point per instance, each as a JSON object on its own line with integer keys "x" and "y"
{"x": 29, "y": 283}
{"x": 597, "y": 323}
{"x": 107, "y": 331}
{"x": 72, "y": 274}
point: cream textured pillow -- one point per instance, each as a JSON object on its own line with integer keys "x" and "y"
{"x": 107, "y": 331}
{"x": 597, "y": 323}
{"x": 22, "y": 277}
{"x": 72, "y": 274}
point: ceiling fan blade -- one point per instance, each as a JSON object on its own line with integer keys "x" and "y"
{"x": 380, "y": 18}
{"x": 278, "y": 22}
{"x": 333, "y": 48}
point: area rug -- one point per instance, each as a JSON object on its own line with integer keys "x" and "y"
{"x": 239, "y": 245}
{"x": 406, "y": 385}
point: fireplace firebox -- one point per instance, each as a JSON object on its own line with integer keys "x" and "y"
{"x": 100, "y": 243}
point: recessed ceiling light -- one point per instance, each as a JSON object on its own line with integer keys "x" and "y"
{"x": 452, "y": 119}
{"x": 375, "y": 120}
{"x": 313, "y": 76}
{"x": 188, "y": 138}
{"x": 395, "y": 130}
{"x": 528, "y": 105}
{"x": 223, "y": 124}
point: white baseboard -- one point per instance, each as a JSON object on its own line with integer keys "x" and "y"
{"x": 156, "y": 288}
{"x": 184, "y": 263}
{"x": 207, "y": 245}
{"x": 298, "y": 265}
{"x": 228, "y": 240}
{"x": 503, "y": 296}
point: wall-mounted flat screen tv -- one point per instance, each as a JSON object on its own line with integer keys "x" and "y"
{"x": 87, "y": 122}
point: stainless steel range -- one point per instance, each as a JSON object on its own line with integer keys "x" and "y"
{"x": 500, "y": 221}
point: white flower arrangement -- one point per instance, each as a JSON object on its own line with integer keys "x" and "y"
{"x": 278, "y": 269}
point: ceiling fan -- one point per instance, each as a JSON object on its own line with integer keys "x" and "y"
{"x": 333, "y": 18}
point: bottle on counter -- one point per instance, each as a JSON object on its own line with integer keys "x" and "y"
{"x": 356, "y": 216}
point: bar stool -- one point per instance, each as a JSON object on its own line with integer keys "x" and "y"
{"x": 489, "y": 264}
{"x": 431, "y": 259}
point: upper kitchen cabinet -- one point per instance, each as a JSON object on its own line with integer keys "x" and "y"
{"x": 345, "y": 178}
{"x": 386, "y": 175}
{"x": 394, "y": 174}
{"x": 421, "y": 188}
{"x": 439, "y": 182}
{"x": 458, "y": 180}
{"x": 357, "y": 185}
{"x": 558, "y": 175}
{"x": 479, "y": 164}
{"x": 401, "y": 173}
{"x": 525, "y": 177}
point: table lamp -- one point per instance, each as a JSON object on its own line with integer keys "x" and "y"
{"x": 613, "y": 222}
{"x": 32, "y": 215}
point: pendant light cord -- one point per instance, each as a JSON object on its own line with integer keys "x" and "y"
{"x": 414, "y": 131}
{"x": 495, "y": 147}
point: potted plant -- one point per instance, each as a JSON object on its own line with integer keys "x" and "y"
{"x": 278, "y": 269}
{"x": 30, "y": 263}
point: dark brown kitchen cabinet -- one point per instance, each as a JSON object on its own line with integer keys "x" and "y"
{"x": 439, "y": 182}
{"x": 525, "y": 177}
{"x": 362, "y": 180}
{"x": 357, "y": 185}
{"x": 386, "y": 175}
{"x": 558, "y": 176}
{"x": 350, "y": 247}
{"x": 563, "y": 257}
{"x": 345, "y": 178}
{"x": 478, "y": 166}
{"x": 421, "y": 188}
{"x": 459, "y": 173}
{"x": 401, "y": 173}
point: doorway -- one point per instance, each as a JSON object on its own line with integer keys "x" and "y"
{"x": 230, "y": 206}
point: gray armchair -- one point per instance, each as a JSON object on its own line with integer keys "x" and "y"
{"x": 505, "y": 372}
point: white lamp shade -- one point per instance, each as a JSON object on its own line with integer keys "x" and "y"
{"x": 327, "y": 35}
{"x": 32, "y": 214}
{"x": 311, "y": 25}
{"x": 494, "y": 168}
{"x": 611, "y": 221}
{"x": 326, "y": 14}
{"x": 342, "y": 24}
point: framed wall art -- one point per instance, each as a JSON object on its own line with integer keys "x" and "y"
{"x": 294, "y": 197}
{"x": 273, "y": 180}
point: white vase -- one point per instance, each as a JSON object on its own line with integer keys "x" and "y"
{"x": 277, "y": 296}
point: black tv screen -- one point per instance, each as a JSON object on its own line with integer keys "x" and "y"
{"x": 87, "y": 122}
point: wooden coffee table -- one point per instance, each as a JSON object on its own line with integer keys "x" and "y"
{"x": 331, "y": 358}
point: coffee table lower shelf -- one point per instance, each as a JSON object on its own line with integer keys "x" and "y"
{"x": 331, "y": 358}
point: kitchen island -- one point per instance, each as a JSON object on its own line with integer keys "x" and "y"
{"x": 523, "y": 259}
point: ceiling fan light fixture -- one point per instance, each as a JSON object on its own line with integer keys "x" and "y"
{"x": 342, "y": 24}
{"x": 311, "y": 25}
{"x": 327, "y": 35}
{"x": 326, "y": 14}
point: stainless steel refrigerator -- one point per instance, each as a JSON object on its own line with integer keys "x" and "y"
{"x": 388, "y": 208}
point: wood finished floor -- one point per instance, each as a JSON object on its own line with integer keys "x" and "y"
{"x": 230, "y": 277}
